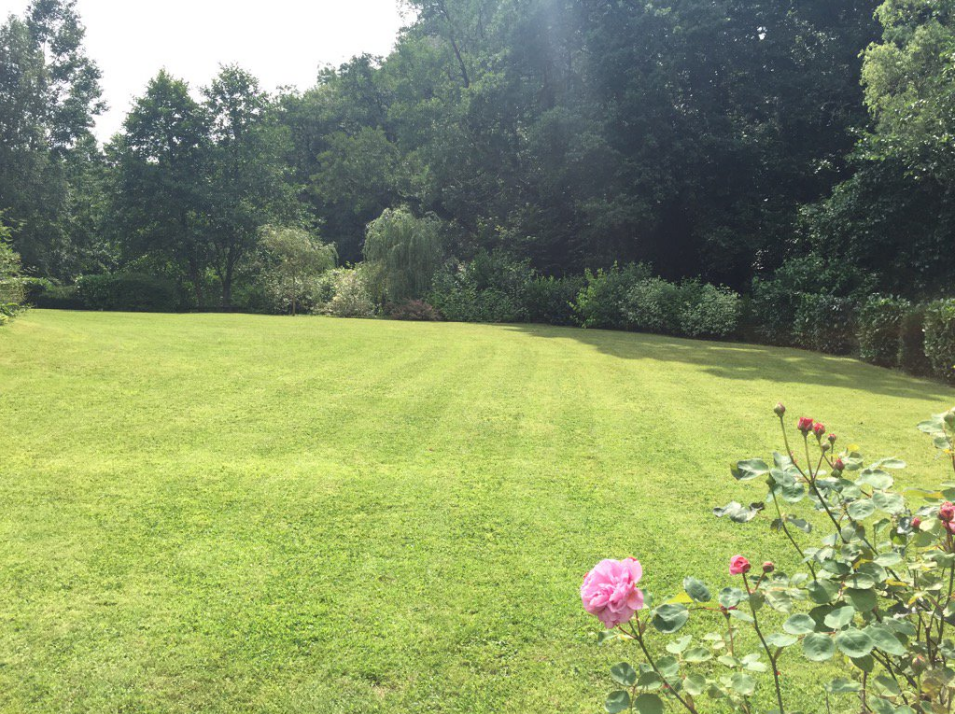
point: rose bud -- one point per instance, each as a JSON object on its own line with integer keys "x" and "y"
{"x": 739, "y": 565}
{"x": 838, "y": 465}
{"x": 768, "y": 567}
{"x": 949, "y": 417}
{"x": 804, "y": 425}
{"x": 916, "y": 522}
{"x": 949, "y": 526}
{"x": 779, "y": 409}
{"x": 947, "y": 511}
{"x": 825, "y": 447}
{"x": 832, "y": 438}
{"x": 818, "y": 429}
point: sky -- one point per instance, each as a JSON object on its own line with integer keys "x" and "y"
{"x": 282, "y": 42}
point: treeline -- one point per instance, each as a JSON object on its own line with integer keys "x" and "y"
{"x": 799, "y": 147}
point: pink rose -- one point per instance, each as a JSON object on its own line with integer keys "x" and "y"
{"x": 818, "y": 429}
{"x": 739, "y": 565}
{"x": 610, "y": 591}
{"x": 947, "y": 511}
{"x": 804, "y": 424}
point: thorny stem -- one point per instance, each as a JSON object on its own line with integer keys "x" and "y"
{"x": 639, "y": 637}
{"x": 769, "y": 653}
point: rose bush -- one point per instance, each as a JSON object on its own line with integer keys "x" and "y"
{"x": 876, "y": 595}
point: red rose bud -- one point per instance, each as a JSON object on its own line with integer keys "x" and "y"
{"x": 804, "y": 425}
{"x": 947, "y": 511}
{"x": 837, "y": 465}
{"x": 739, "y": 565}
{"x": 779, "y": 409}
{"x": 916, "y": 522}
{"x": 768, "y": 567}
{"x": 832, "y": 438}
{"x": 818, "y": 429}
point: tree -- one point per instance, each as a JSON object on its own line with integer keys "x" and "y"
{"x": 295, "y": 257}
{"x": 161, "y": 169}
{"x": 248, "y": 182}
{"x": 49, "y": 97}
{"x": 404, "y": 252}
{"x": 11, "y": 289}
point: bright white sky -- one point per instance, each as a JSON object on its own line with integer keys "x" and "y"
{"x": 282, "y": 42}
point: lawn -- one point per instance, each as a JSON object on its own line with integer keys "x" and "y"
{"x": 233, "y": 513}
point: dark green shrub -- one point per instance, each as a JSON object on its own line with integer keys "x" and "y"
{"x": 603, "y": 300}
{"x": 825, "y": 323}
{"x": 879, "y": 330}
{"x": 912, "y": 357}
{"x": 134, "y": 292}
{"x": 654, "y": 305}
{"x": 708, "y": 310}
{"x": 60, "y": 297}
{"x": 550, "y": 301}
{"x": 491, "y": 288}
{"x": 940, "y": 338}
{"x": 33, "y": 288}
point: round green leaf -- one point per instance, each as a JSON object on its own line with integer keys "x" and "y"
{"x": 617, "y": 702}
{"x": 859, "y": 510}
{"x": 799, "y": 625}
{"x": 648, "y": 704}
{"x": 818, "y": 647}
{"x": 622, "y": 673}
{"x": 670, "y": 618}
{"x": 781, "y": 639}
{"x": 840, "y": 617}
{"x": 854, "y": 643}
{"x": 696, "y": 589}
{"x": 885, "y": 640}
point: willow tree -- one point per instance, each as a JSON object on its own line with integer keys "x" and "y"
{"x": 404, "y": 251}
{"x": 295, "y": 257}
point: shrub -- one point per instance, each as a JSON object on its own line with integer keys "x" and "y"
{"x": 550, "y": 300}
{"x": 825, "y": 323}
{"x": 491, "y": 288}
{"x": 912, "y": 357}
{"x": 940, "y": 338}
{"x": 33, "y": 288}
{"x": 654, "y": 305}
{"x": 866, "y": 607}
{"x": 293, "y": 259}
{"x": 879, "y": 330}
{"x": 134, "y": 292}
{"x": 350, "y": 295}
{"x": 60, "y": 297}
{"x": 602, "y": 302}
{"x": 404, "y": 252}
{"x": 416, "y": 310}
{"x": 11, "y": 285}
{"x": 708, "y": 310}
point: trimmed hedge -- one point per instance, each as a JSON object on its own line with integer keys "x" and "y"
{"x": 550, "y": 301}
{"x": 912, "y": 357}
{"x": 825, "y": 323}
{"x": 60, "y": 297}
{"x": 880, "y": 330}
{"x": 133, "y": 292}
{"x": 940, "y": 338}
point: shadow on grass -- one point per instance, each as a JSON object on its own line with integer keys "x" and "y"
{"x": 731, "y": 360}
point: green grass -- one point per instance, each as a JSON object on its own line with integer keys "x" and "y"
{"x": 227, "y": 513}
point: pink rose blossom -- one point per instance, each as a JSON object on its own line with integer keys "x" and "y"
{"x": 739, "y": 565}
{"x": 610, "y": 591}
{"x": 947, "y": 511}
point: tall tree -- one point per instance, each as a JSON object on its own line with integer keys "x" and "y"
{"x": 249, "y": 184}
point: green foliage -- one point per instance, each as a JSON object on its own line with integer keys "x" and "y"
{"x": 881, "y": 570}
{"x": 11, "y": 283}
{"x": 60, "y": 297}
{"x": 879, "y": 330}
{"x": 550, "y": 300}
{"x": 403, "y": 253}
{"x": 294, "y": 258}
{"x": 603, "y": 301}
{"x": 825, "y": 323}
{"x": 490, "y": 288}
{"x": 132, "y": 292}
{"x": 912, "y": 357}
{"x": 345, "y": 292}
{"x": 940, "y": 338}
{"x": 708, "y": 310}
{"x": 655, "y": 305}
